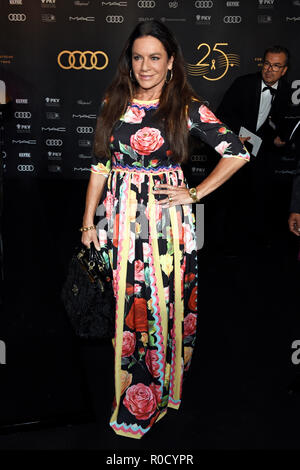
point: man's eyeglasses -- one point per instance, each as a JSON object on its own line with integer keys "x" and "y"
{"x": 274, "y": 67}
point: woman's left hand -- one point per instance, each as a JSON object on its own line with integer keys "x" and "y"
{"x": 175, "y": 195}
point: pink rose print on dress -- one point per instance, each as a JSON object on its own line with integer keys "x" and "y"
{"x": 102, "y": 235}
{"x": 171, "y": 311}
{"x": 146, "y": 140}
{"x": 133, "y": 115}
{"x": 157, "y": 392}
{"x": 137, "y": 179}
{"x": 190, "y": 323}
{"x": 109, "y": 204}
{"x": 137, "y": 289}
{"x": 207, "y": 116}
{"x": 146, "y": 250}
{"x": 222, "y": 147}
{"x": 192, "y": 303}
{"x": 139, "y": 271}
{"x": 189, "y": 240}
{"x": 128, "y": 345}
{"x": 115, "y": 282}
{"x": 152, "y": 362}
{"x": 140, "y": 401}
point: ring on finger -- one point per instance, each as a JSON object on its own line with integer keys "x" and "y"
{"x": 170, "y": 199}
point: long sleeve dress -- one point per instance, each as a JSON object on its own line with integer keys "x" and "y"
{"x": 153, "y": 256}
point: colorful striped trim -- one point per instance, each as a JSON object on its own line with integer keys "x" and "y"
{"x": 157, "y": 292}
{"x": 121, "y": 282}
{"x": 153, "y": 104}
{"x": 239, "y": 156}
{"x": 101, "y": 169}
{"x": 176, "y": 369}
{"x": 136, "y": 100}
{"x": 130, "y": 430}
{"x": 135, "y": 169}
{"x": 147, "y": 107}
{"x": 174, "y": 403}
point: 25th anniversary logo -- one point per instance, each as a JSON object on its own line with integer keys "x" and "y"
{"x": 214, "y": 62}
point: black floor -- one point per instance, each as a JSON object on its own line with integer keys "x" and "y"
{"x": 237, "y": 394}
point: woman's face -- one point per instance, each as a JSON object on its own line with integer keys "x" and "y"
{"x": 150, "y": 63}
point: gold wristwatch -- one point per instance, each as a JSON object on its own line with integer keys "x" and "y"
{"x": 193, "y": 194}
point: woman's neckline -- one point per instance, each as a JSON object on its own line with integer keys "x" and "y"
{"x": 136, "y": 100}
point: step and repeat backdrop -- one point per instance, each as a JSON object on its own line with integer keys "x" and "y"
{"x": 58, "y": 56}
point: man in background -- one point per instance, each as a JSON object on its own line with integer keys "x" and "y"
{"x": 258, "y": 102}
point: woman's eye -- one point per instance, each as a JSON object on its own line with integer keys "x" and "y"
{"x": 136, "y": 57}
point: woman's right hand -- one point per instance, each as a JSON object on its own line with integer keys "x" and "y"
{"x": 90, "y": 236}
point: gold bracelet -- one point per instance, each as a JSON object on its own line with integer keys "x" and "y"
{"x": 85, "y": 229}
{"x": 193, "y": 194}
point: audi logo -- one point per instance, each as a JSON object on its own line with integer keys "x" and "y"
{"x": 232, "y": 19}
{"x": 146, "y": 3}
{"x": 199, "y": 158}
{"x": 54, "y": 142}
{"x": 17, "y": 17}
{"x": 22, "y": 114}
{"x": 25, "y": 167}
{"x": 114, "y": 19}
{"x": 78, "y": 60}
{"x": 204, "y": 4}
{"x": 84, "y": 130}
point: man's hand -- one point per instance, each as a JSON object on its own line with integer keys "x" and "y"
{"x": 294, "y": 223}
{"x": 278, "y": 142}
{"x": 244, "y": 139}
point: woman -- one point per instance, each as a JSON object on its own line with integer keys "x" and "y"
{"x": 140, "y": 141}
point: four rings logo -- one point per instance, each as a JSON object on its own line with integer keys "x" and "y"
{"x": 84, "y": 130}
{"x": 204, "y": 4}
{"x": 22, "y": 115}
{"x": 199, "y": 158}
{"x": 146, "y": 4}
{"x": 25, "y": 167}
{"x": 17, "y": 17}
{"x": 114, "y": 19}
{"x": 232, "y": 19}
{"x": 54, "y": 142}
{"x": 77, "y": 60}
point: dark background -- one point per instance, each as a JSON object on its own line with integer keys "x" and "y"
{"x": 237, "y": 393}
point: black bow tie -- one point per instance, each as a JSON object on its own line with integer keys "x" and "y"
{"x": 272, "y": 90}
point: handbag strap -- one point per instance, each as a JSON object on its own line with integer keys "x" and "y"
{"x": 95, "y": 255}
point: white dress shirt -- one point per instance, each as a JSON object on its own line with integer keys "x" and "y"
{"x": 265, "y": 104}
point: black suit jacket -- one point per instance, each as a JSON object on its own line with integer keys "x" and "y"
{"x": 240, "y": 106}
{"x": 295, "y": 202}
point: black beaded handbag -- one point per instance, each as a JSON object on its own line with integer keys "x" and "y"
{"x": 88, "y": 296}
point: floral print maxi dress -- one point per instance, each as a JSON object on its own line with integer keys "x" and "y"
{"x": 153, "y": 256}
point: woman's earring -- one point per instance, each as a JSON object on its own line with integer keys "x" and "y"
{"x": 131, "y": 76}
{"x": 170, "y": 77}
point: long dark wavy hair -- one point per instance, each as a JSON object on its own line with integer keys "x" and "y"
{"x": 175, "y": 97}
